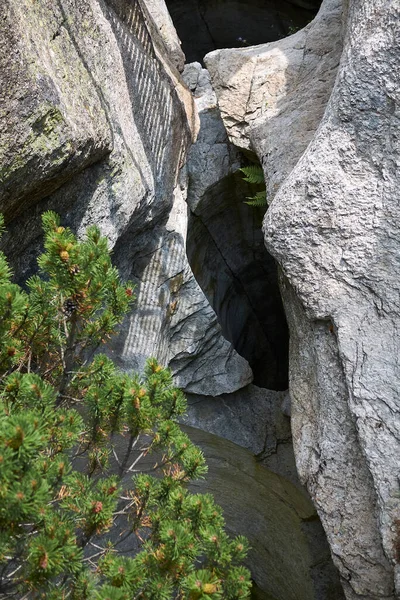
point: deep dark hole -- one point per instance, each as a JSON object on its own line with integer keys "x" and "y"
{"x": 226, "y": 251}
{"x": 225, "y": 244}
{"x": 206, "y": 25}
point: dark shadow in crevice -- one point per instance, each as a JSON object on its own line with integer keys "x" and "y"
{"x": 226, "y": 251}
{"x": 206, "y": 25}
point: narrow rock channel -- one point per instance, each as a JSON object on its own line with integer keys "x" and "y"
{"x": 227, "y": 255}
{"x": 226, "y": 251}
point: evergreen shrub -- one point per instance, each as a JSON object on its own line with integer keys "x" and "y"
{"x": 93, "y": 464}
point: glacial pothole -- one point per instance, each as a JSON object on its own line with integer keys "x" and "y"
{"x": 226, "y": 252}
{"x": 206, "y": 25}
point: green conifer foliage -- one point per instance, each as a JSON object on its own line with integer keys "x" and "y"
{"x": 93, "y": 465}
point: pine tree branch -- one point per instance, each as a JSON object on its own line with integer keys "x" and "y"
{"x": 68, "y": 359}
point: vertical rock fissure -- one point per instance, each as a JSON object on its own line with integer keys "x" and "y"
{"x": 227, "y": 255}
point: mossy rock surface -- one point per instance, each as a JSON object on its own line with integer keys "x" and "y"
{"x": 53, "y": 118}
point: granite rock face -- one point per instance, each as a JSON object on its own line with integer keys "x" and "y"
{"x": 225, "y": 245}
{"x": 96, "y": 124}
{"x": 212, "y": 157}
{"x": 226, "y": 251}
{"x": 327, "y": 137}
{"x": 267, "y": 88}
{"x": 343, "y": 196}
{"x": 49, "y": 129}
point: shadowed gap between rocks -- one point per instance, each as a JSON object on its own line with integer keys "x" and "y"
{"x": 226, "y": 252}
{"x": 206, "y": 25}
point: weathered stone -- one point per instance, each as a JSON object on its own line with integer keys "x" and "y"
{"x": 245, "y": 417}
{"x": 268, "y": 88}
{"x": 212, "y": 157}
{"x": 149, "y": 112}
{"x": 333, "y": 228}
{"x": 51, "y": 128}
{"x": 166, "y": 32}
{"x": 343, "y": 198}
{"x": 252, "y": 418}
{"x": 146, "y": 115}
{"x": 226, "y": 248}
{"x": 329, "y": 457}
{"x": 173, "y": 319}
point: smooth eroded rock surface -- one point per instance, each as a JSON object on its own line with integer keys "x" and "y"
{"x": 272, "y": 97}
{"x": 225, "y": 246}
{"x": 289, "y": 559}
{"x": 334, "y": 229}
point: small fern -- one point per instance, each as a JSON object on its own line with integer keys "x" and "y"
{"x": 255, "y": 176}
{"x": 259, "y": 199}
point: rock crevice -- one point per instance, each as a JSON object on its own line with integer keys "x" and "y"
{"x": 320, "y": 110}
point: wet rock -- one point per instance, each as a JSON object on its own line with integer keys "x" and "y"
{"x": 252, "y": 418}
{"x": 290, "y": 557}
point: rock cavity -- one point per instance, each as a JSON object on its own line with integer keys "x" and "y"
{"x": 226, "y": 251}
{"x": 225, "y": 246}
{"x": 205, "y": 25}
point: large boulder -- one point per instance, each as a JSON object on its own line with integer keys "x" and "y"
{"x": 327, "y": 139}
{"x": 96, "y": 124}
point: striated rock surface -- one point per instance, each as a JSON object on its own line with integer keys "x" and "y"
{"x": 163, "y": 32}
{"x": 173, "y": 319}
{"x": 328, "y": 142}
{"x": 96, "y": 124}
